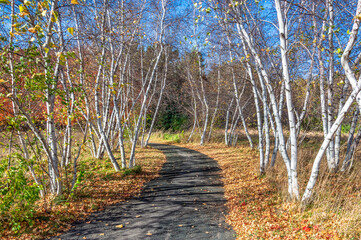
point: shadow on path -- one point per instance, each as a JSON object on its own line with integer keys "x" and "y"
{"x": 185, "y": 202}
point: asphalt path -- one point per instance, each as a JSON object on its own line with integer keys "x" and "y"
{"x": 185, "y": 202}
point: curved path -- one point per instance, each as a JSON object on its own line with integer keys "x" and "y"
{"x": 185, "y": 202}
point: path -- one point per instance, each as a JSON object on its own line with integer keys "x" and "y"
{"x": 185, "y": 202}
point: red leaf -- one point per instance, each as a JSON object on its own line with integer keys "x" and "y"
{"x": 306, "y": 229}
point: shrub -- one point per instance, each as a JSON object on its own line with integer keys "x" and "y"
{"x": 17, "y": 195}
{"x": 172, "y": 137}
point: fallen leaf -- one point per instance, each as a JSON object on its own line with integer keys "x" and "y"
{"x": 149, "y": 234}
{"x": 119, "y": 226}
{"x": 101, "y": 234}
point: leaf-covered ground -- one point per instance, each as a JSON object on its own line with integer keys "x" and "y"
{"x": 101, "y": 187}
{"x": 255, "y": 207}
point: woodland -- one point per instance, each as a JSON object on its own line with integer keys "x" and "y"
{"x": 87, "y": 85}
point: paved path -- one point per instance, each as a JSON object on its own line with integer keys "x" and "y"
{"x": 185, "y": 202}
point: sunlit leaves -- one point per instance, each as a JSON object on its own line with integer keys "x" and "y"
{"x": 71, "y": 31}
{"x": 74, "y": 2}
{"x": 23, "y": 10}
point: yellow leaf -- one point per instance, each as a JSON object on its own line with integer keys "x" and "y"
{"x": 74, "y": 2}
{"x": 23, "y": 10}
{"x": 71, "y": 31}
{"x": 149, "y": 234}
{"x": 2, "y": 81}
{"x": 101, "y": 234}
{"x": 358, "y": 17}
{"x": 11, "y": 34}
{"x": 119, "y": 226}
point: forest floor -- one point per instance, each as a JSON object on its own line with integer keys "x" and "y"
{"x": 100, "y": 186}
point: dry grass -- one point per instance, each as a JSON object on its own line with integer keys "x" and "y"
{"x": 101, "y": 187}
{"x": 336, "y": 203}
